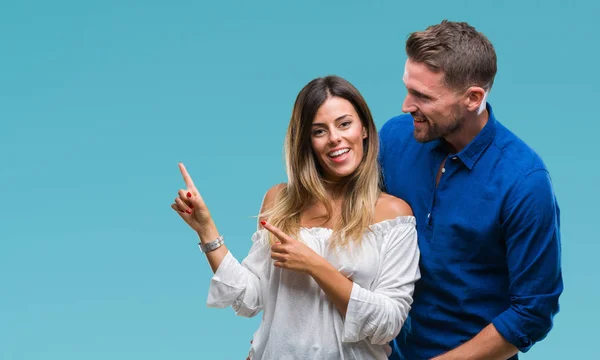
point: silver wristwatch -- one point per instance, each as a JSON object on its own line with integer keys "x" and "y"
{"x": 212, "y": 245}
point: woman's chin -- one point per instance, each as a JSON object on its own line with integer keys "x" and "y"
{"x": 338, "y": 175}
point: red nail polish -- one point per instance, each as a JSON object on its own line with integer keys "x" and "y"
{"x": 187, "y": 211}
{"x": 189, "y": 194}
{"x": 192, "y": 206}
{"x": 263, "y": 223}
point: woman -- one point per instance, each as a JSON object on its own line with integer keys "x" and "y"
{"x": 334, "y": 262}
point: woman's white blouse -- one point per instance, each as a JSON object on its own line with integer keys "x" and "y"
{"x": 299, "y": 321}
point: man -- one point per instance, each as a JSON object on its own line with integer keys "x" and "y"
{"x": 487, "y": 217}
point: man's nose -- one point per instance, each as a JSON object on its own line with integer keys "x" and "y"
{"x": 408, "y": 105}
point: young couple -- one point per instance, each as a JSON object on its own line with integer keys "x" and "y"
{"x": 437, "y": 238}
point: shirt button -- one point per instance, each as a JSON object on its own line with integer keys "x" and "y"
{"x": 443, "y": 170}
{"x": 454, "y": 158}
{"x": 428, "y": 216}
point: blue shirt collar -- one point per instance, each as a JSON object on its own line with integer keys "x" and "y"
{"x": 471, "y": 153}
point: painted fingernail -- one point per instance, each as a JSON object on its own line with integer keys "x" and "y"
{"x": 192, "y": 206}
{"x": 188, "y": 211}
{"x": 263, "y": 223}
{"x": 189, "y": 194}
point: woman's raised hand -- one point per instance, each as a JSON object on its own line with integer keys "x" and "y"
{"x": 190, "y": 205}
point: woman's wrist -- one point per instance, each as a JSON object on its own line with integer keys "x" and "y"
{"x": 208, "y": 232}
{"x": 318, "y": 265}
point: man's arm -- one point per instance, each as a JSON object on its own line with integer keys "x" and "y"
{"x": 488, "y": 344}
{"x": 531, "y": 224}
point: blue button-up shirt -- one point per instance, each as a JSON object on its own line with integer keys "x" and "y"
{"x": 488, "y": 235}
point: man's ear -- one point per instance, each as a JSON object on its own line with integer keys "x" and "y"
{"x": 475, "y": 98}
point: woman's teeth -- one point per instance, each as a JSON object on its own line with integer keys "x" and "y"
{"x": 338, "y": 153}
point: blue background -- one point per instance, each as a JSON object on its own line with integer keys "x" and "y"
{"x": 99, "y": 100}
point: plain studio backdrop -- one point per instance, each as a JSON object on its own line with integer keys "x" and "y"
{"x": 99, "y": 101}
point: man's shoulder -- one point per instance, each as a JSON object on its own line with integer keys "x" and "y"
{"x": 398, "y": 126}
{"x": 522, "y": 169}
{"x": 517, "y": 153}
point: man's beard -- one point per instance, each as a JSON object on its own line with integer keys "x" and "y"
{"x": 434, "y": 131}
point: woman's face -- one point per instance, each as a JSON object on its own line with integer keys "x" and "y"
{"x": 337, "y": 136}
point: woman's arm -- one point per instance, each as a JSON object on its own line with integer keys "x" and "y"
{"x": 235, "y": 284}
{"x": 191, "y": 208}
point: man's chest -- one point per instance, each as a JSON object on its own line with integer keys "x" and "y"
{"x": 458, "y": 210}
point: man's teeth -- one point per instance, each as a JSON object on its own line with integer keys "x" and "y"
{"x": 339, "y": 152}
{"x": 419, "y": 119}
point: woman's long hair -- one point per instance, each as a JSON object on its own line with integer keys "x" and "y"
{"x": 306, "y": 183}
